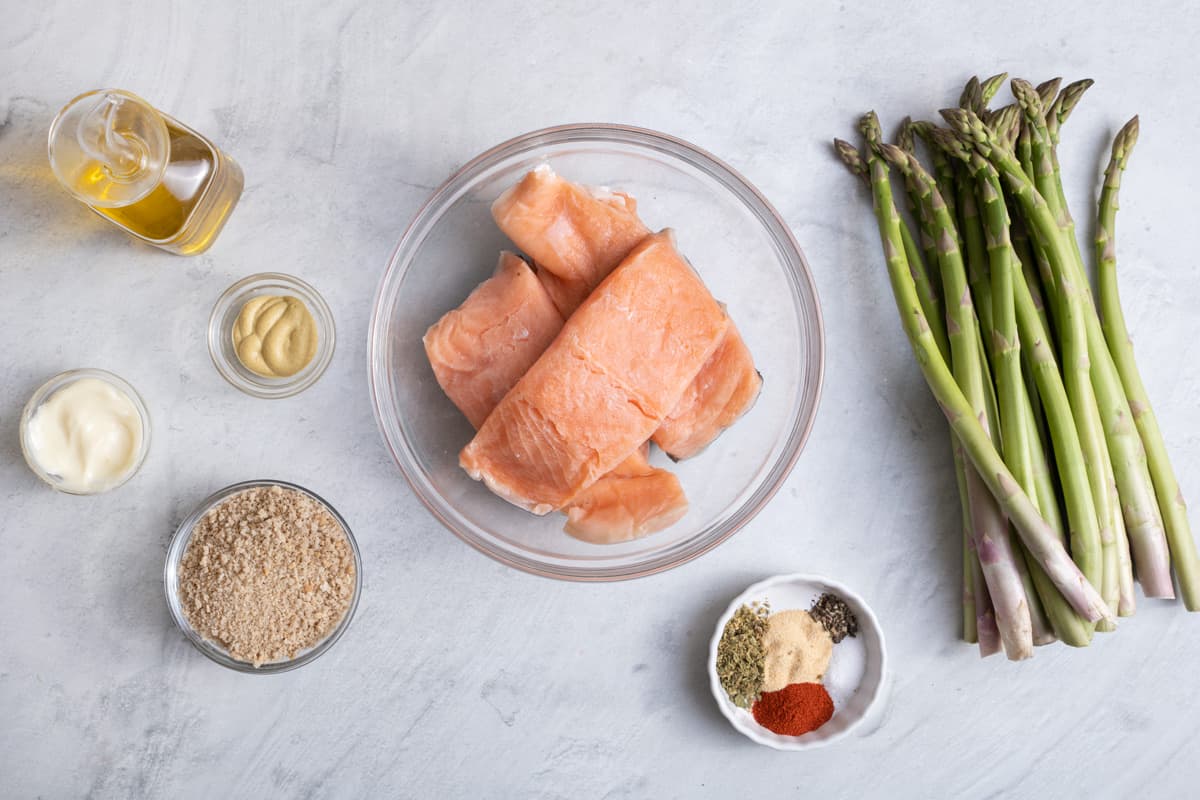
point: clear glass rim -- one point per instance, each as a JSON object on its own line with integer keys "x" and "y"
{"x": 53, "y": 133}
{"x": 178, "y": 546}
{"x": 804, "y": 294}
{"x": 271, "y": 388}
{"x": 52, "y": 385}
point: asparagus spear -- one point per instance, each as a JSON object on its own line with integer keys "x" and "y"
{"x": 972, "y": 239}
{"x": 1035, "y": 532}
{"x": 926, "y": 289}
{"x": 1086, "y": 538}
{"x": 1019, "y": 433}
{"x": 1046, "y": 178}
{"x": 1077, "y": 488}
{"x": 992, "y": 542}
{"x": 1017, "y": 429}
{"x": 1068, "y": 626}
{"x": 1143, "y": 520}
{"x": 977, "y": 239}
{"x": 988, "y": 633}
{"x": 1028, "y": 264}
{"x": 970, "y": 626}
{"x": 943, "y": 170}
{"x": 931, "y": 306}
{"x": 975, "y": 249}
{"x": 905, "y": 141}
{"x": 1170, "y": 499}
{"x": 1055, "y": 114}
{"x": 1024, "y": 150}
{"x": 1123, "y": 591}
{"x": 1044, "y": 278}
{"x": 1126, "y": 599}
{"x": 1072, "y": 475}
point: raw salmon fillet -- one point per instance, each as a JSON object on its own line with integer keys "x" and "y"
{"x": 633, "y": 500}
{"x": 577, "y": 236}
{"x": 480, "y": 350}
{"x": 725, "y": 389}
{"x": 619, "y": 366}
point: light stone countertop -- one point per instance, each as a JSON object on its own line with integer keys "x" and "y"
{"x": 460, "y": 677}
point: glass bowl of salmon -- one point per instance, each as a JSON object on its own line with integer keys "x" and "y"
{"x": 430, "y": 391}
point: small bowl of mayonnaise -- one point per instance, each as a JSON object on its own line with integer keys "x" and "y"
{"x": 85, "y": 431}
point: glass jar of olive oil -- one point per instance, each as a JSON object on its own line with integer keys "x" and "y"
{"x": 143, "y": 171}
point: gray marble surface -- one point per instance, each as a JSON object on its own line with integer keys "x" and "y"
{"x": 460, "y": 677}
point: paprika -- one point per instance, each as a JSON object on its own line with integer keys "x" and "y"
{"x": 795, "y": 709}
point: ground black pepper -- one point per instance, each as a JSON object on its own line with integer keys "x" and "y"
{"x": 835, "y": 616}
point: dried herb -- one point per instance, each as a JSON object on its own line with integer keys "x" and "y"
{"x": 741, "y": 656}
{"x": 835, "y": 616}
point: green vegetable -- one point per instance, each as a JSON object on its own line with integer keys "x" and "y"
{"x": 1039, "y": 538}
{"x": 1170, "y": 498}
{"x": 1053, "y": 432}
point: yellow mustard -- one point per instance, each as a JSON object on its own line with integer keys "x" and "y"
{"x": 275, "y": 336}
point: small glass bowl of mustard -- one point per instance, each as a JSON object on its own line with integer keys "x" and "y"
{"x": 253, "y": 290}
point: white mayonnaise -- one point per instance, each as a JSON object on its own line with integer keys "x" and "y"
{"x": 87, "y": 436}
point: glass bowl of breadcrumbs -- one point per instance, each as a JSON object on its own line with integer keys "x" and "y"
{"x": 263, "y": 577}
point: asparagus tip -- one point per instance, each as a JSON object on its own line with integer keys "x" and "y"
{"x": 1058, "y": 111}
{"x": 950, "y": 143}
{"x": 1068, "y": 98}
{"x": 970, "y": 93}
{"x": 1028, "y": 99}
{"x": 851, "y": 157}
{"x": 1124, "y": 141}
{"x": 1006, "y": 122}
{"x": 894, "y": 155}
{"x": 1048, "y": 89}
{"x": 904, "y": 138}
{"x": 951, "y": 114}
{"x": 869, "y": 127}
{"x": 921, "y": 128}
{"x": 957, "y": 118}
{"x": 989, "y": 87}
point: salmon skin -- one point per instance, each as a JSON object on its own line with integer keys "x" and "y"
{"x": 480, "y": 350}
{"x": 619, "y": 366}
{"x": 577, "y": 235}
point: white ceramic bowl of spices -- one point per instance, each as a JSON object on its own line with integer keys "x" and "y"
{"x": 797, "y": 662}
{"x": 263, "y": 576}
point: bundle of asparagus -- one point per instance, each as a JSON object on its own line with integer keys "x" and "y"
{"x": 1052, "y": 432}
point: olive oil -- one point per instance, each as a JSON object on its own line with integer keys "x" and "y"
{"x": 145, "y": 172}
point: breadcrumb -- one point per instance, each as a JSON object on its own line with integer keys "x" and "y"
{"x": 267, "y": 573}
